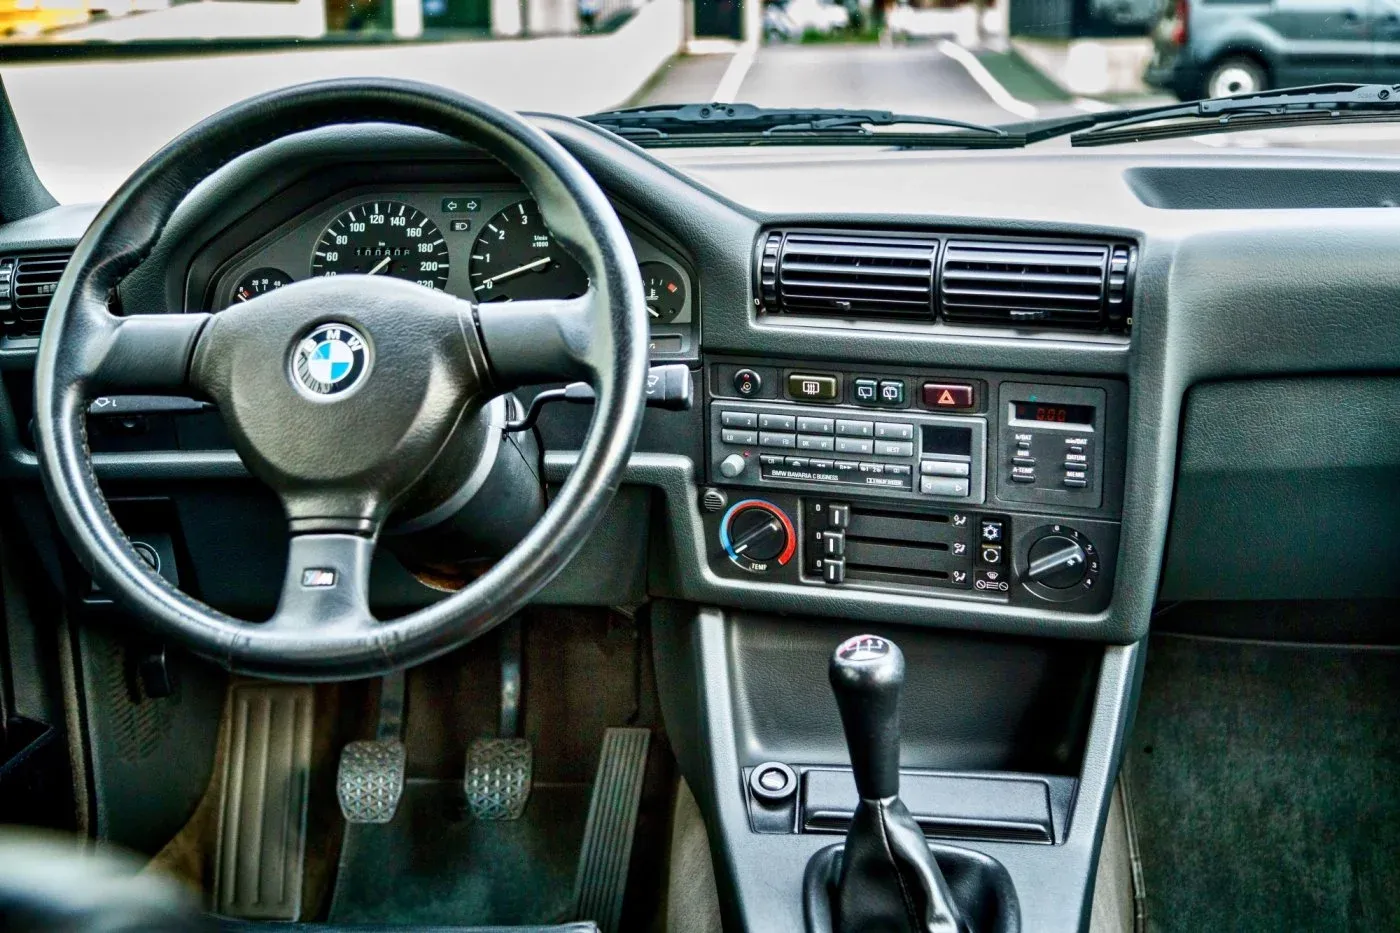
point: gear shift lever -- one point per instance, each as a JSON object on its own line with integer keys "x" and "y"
{"x": 889, "y": 879}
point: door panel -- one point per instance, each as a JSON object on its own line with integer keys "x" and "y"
{"x": 1323, "y": 40}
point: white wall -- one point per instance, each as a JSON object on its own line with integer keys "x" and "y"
{"x": 89, "y": 124}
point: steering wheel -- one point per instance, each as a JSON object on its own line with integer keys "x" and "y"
{"x": 339, "y": 393}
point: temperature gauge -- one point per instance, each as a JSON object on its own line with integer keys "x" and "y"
{"x": 259, "y": 281}
{"x": 665, "y": 292}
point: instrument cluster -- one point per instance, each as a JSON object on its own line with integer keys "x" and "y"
{"x": 484, "y": 241}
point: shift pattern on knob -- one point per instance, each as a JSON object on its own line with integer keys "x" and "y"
{"x": 867, "y": 676}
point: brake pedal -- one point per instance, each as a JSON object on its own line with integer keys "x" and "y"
{"x": 369, "y": 782}
{"x": 260, "y": 856}
{"x": 499, "y": 770}
{"x": 612, "y": 823}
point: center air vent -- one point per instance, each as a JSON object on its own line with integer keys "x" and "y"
{"x": 1006, "y": 282}
{"x": 27, "y": 284}
{"x": 850, "y": 275}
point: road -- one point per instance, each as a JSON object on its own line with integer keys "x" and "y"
{"x": 920, "y": 78}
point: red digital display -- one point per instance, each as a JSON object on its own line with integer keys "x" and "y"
{"x": 1056, "y": 414}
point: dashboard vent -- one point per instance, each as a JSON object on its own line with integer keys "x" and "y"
{"x": 850, "y": 275}
{"x": 1055, "y": 283}
{"x": 27, "y": 284}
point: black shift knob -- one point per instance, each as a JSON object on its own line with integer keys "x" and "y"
{"x": 867, "y": 674}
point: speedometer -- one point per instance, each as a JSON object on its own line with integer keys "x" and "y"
{"x": 383, "y": 238}
{"x": 516, "y": 258}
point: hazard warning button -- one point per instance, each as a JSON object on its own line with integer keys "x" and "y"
{"x": 954, "y": 395}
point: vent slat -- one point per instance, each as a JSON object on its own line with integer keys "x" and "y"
{"x": 852, "y": 276}
{"x": 32, "y": 284}
{"x": 1013, "y": 283}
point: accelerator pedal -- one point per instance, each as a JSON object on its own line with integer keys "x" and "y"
{"x": 612, "y": 822}
{"x": 369, "y": 781}
{"x": 260, "y": 856}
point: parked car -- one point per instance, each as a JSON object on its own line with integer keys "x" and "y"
{"x": 1210, "y": 48}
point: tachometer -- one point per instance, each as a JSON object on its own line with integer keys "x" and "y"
{"x": 383, "y": 238}
{"x": 516, "y": 258}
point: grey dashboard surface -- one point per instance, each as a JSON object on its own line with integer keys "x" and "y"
{"x": 1221, "y": 294}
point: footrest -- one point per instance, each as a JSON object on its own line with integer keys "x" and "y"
{"x": 498, "y": 778}
{"x": 612, "y": 822}
{"x": 370, "y": 780}
{"x": 262, "y": 812}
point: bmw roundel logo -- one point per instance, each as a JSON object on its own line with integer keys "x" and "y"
{"x": 331, "y": 359}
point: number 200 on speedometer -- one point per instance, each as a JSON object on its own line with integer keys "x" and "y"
{"x": 383, "y": 238}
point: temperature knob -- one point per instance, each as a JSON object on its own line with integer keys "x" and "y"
{"x": 756, "y": 535}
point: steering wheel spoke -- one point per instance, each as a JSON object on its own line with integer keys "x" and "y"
{"x": 327, "y": 584}
{"x": 148, "y": 353}
{"x": 535, "y": 342}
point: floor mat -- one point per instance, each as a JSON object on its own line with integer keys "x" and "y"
{"x": 1266, "y": 786}
{"x": 435, "y": 865}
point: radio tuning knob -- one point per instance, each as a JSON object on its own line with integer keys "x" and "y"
{"x": 733, "y": 465}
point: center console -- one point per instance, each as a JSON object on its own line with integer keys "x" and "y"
{"x": 995, "y": 487}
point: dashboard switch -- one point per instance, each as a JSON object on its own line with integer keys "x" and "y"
{"x": 810, "y": 387}
{"x": 834, "y": 571}
{"x": 834, "y": 544}
{"x": 954, "y": 395}
{"x": 747, "y": 382}
{"x": 838, "y": 515}
{"x": 891, "y": 392}
{"x": 867, "y": 390}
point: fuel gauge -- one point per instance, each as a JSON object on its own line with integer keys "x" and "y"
{"x": 665, "y": 291}
{"x": 259, "y": 281}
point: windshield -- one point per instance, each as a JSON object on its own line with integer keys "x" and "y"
{"x": 98, "y": 85}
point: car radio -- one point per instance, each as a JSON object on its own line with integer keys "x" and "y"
{"x": 906, "y": 455}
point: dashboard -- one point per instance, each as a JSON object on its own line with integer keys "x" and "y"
{"x": 478, "y": 239}
{"x": 1011, "y": 402}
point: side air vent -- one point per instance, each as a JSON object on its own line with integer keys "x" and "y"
{"x": 848, "y": 275}
{"x": 27, "y": 284}
{"x": 1056, "y": 284}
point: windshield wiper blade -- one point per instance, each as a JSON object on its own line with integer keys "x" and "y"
{"x": 1301, "y": 106}
{"x": 746, "y": 124}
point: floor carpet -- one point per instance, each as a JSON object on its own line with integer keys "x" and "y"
{"x": 1266, "y": 786}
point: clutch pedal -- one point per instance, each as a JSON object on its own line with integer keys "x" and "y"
{"x": 370, "y": 779}
{"x": 499, "y": 770}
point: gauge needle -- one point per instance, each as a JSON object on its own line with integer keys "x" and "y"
{"x": 542, "y": 261}
{"x": 382, "y": 263}
{"x": 653, "y": 312}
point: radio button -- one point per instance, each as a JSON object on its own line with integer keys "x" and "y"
{"x": 813, "y": 442}
{"x": 846, "y": 471}
{"x": 770, "y": 422}
{"x": 732, "y": 436}
{"x": 871, "y": 469}
{"x": 795, "y": 463}
{"x": 815, "y": 425}
{"x": 739, "y": 419}
{"x": 894, "y": 449}
{"x": 852, "y": 445}
{"x": 855, "y": 428}
{"x": 898, "y": 469}
{"x": 822, "y": 466}
{"x": 770, "y": 461}
{"x": 944, "y": 468}
{"x": 775, "y": 439}
{"x": 894, "y": 432}
{"x": 809, "y": 386}
{"x": 943, "y": 486}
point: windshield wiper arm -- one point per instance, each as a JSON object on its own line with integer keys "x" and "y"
{"x": 746, "y": 124}
{"x": 1324, "y": 103}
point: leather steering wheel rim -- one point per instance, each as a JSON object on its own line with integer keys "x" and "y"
{"x": 86, "y": 351}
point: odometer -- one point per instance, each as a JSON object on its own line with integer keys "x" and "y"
{"x": 383, "y": 238}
